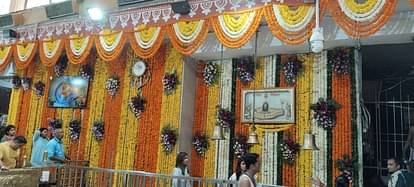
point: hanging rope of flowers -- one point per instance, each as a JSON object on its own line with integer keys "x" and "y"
{"x": 86, "y": 71}
{"x": 225, "y": 117}
{"x": 210, "y": 73}
{"x": 74, "y": 129}
{"x": 201, "y": 144}
{"x": 98, "y": 130}
{"x": 340, "y": 60}
{"x": 289, "y": 150}
{"x": 169, "y": 81}
{"x": 26, "y": 82}
{"x": 240, "y": 146}
{"x": 60, "y": 67}
{"x": 168, "y": 138}
{"x": 245, "y": 69}
{"x": 346, "y": 167}
{"x": 291, "y": 70}
{"x": 324, "y": 113}
{"x": 16, "y": 82}
{"x": 137, "y": 105}
{"x": 112, "y": 85}
{"x": 39, "y": 88}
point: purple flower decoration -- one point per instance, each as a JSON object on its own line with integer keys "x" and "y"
{"x": 201, "y": 144}
{"x": 245, "y": 69}
{"x": 112, "y": 85}
{"x": 168, "y": 138}
{"x": 74, "y": 129}
{"x": 16, "y": 82}
{"x": 340, "y": 60}
{"x": 240, "y": 146}
{"x": 169, "y": 82}
{"x": 54, "y": 124}
{"x": 324, "y": 113}
{"x": 289, "y": 150}
{"x": 86, "y": 71}
{"x": 346, "y": 166}
{"x": 26, "y": 82}
{"x": 39, "y": 88}
{"x": 98, "y": 130}
{"x": 137, "y": 105}
{"x": 60, "y": 67}
{"x": 291, "y": 70}
{"x": 210, "y": 73}
{"x": 225, "y": 118}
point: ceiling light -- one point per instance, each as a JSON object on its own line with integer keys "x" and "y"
{"x": 95, "y": 13}
{"x": 316, "y": 40}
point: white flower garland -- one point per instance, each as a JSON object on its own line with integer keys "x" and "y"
{"x": 297, "y": 27}
{"x": 239, "y": 33}
{"x": 147, "y": 44}
{"x": 52, "y": 53}
{"x": 367, "y": 16}
{"x": 30, "y": 50}
{"x": 188, "y": 39}
{"x": 105, "y": 46}
{"x": 79, "y": 51}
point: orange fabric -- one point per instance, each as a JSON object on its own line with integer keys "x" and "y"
{"x": 236, "y": 42}
{"x": 188, "y": 48}
{"x": 287, "y": 37}
{"x": 6, "y": 59}
{"x": 110, "y": 55}
{"x": 75, "y": 59}
{"x": 24, "y": 64}
{"x": 48, "y": 62}
{"x": 361, "y": 29}
{"x": 342, "y": 132}
{"x": 200, "y": 119}
{"x": 146, "y": 53}
{"x": 149, "y": 124}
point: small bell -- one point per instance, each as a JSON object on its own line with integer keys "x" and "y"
{"x": 309, "y": 142}
{"x": 218, "y": 133}
{"x": 253, "y": 136}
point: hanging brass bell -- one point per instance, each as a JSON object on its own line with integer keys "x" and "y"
{"x": 218, "y": 133}
{"x": 253, "y": 139}
{"x": 309, "y": 142}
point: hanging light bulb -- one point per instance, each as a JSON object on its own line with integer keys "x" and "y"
{"x": 316, "y": 40}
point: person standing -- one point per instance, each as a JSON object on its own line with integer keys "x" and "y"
{"x": 55, "y": 151}
{"x": 40, "y": 141}
{"x": 240, "y": 169}
{"x": 397, "y": 178}
{"x": 8, "y": 134}
{"x": 409, "y": 144}
{"x": 10, "y": 151}
{"x": 181, "y": 170}
{"x": 252, "y": 167}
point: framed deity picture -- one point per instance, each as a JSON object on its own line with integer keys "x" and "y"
{"x": 275, "y": 105}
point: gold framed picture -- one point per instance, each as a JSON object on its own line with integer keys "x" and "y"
{"x": 274, "y": 105}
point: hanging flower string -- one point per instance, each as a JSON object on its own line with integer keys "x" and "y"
{"x": 112, "y": 85}
{"x": 74, "y": 129}
{"x": 340, "y": 60}
{"x": 86, "y": 71}
{"x": 324, "y": 113}
{"x": 346, "y": 167}
{"x": 200, "y": 142}
{"x": 26, "y": 82}
{"x": 168, "y": 138}
{"x": 39, "y": 88}
{"x": 98, "y": 130}
{"x": 210, "y": 73}
{"x": 225, "y": 117}
{"x": 289, "y": 150}
{"x": 60, "y": 67}
{"x": 16, "y": 82}
{"x": 169, "y": 82}
{"x": 245, "y": 69}
{"x": 240, "y": 146}
{"x": 291, "y": 70}
{"x": 137, "y": 105}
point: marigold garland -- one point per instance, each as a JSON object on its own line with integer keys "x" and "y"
{"x": 78, "y": 48}
{"x": 24, "y": 53}
{"x": 50, "y": 51}
{"x": 152, "y": 38}
{"x": 109, "y": 44}
{"x": 5, "y": 54}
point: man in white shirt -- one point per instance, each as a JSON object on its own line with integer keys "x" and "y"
{"x": 396, "y": 179}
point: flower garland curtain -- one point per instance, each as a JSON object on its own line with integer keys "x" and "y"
{"x": 361, "y": 19}
{"x": 50, "y": 50}
{"x": 78, "y": 48}
{"x": 292, "y": 24}
{"x": 24, "y": 53}
{"x": 5, "y": 54}
{"x": 145, "y": 41}
{"x": 109, "y": 44}
{"x": 235, "y": 29}
{"x": 187, "y": 36}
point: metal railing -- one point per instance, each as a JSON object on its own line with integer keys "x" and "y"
{"x": 100, "y": 177}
